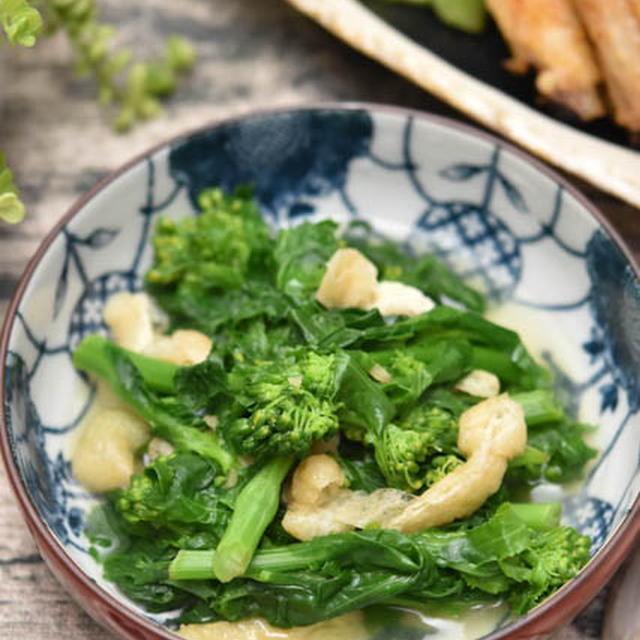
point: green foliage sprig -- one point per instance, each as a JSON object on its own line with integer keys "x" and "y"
{"x": 134, "y": 87}
{"x": 11, "y": 208}
{"x": 21, "y": 22}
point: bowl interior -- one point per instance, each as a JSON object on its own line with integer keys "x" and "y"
{"x": 489, "y": 212}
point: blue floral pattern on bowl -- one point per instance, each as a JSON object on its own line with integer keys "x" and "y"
{"x": 492, "y": 215}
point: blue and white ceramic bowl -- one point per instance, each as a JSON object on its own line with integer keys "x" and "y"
{"x": 494, "y": 214}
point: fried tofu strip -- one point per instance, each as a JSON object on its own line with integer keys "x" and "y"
{"x": 490, "y": 434}
{"x": 548, "y": 35}
{"x": 614, "y": 28}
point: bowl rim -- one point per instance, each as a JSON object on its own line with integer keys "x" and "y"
{"x": 559, "y": 608}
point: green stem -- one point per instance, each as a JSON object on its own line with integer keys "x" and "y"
{"x": 539, "y": 515}
{"x": 532, "y": 457}
{"x": 198, "y": 565}
{"x": 100, "y": 357}
{"x": 158, "y": 374}
{"x": 192, "y": 565}
{"x": 497, "y": 362}
{"x": 375, "y": 549}
{"x": 90, "y": 355}
{"x": 255, "y": 508}
{"x": 387, "y": 551}
{"x": 539, "y": 406}
{"x": 186, "y": 438}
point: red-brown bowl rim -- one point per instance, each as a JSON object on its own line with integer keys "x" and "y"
{"x": 567, "y": 602}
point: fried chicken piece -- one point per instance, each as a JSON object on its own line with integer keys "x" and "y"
{"x": 614, "y": 28}
{"x": 548, "y": 35}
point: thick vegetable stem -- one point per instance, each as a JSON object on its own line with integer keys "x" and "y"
{"x": 540, "y": 407}
{"x": 255, "y": 508}
{"x": 200, "y": 565}
{"x": 92, "y": 355}
{"x": 134, "y": 385}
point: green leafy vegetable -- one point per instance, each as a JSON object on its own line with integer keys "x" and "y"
{"x": 408, "y": 458}
{"x": 540, "y": 407}
{"x": 417, "y": 366}
{"x": 556, "y": 448}
{"x": 520, "y": 553}
{"x": 301, "y": 255}
{"x": 169, "y": 419}
{"x": 176, "y": 496}
{"x": 495, "y": 348}
{"x": 213, "y": 251}
{"x": 360, "y": 467}
{"x": 215, "y": 268}
{"x": 202, "y": 529}
{"x": 564, "y": 445}
{"x": 365, "y": 408}
{"x": 285, "y": 405}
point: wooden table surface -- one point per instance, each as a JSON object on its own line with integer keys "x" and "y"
{"x": 251, "y": 54}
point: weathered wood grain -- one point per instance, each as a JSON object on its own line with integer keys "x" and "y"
{"x": 252, "y": 54}
{"x": 32, "y": 603}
